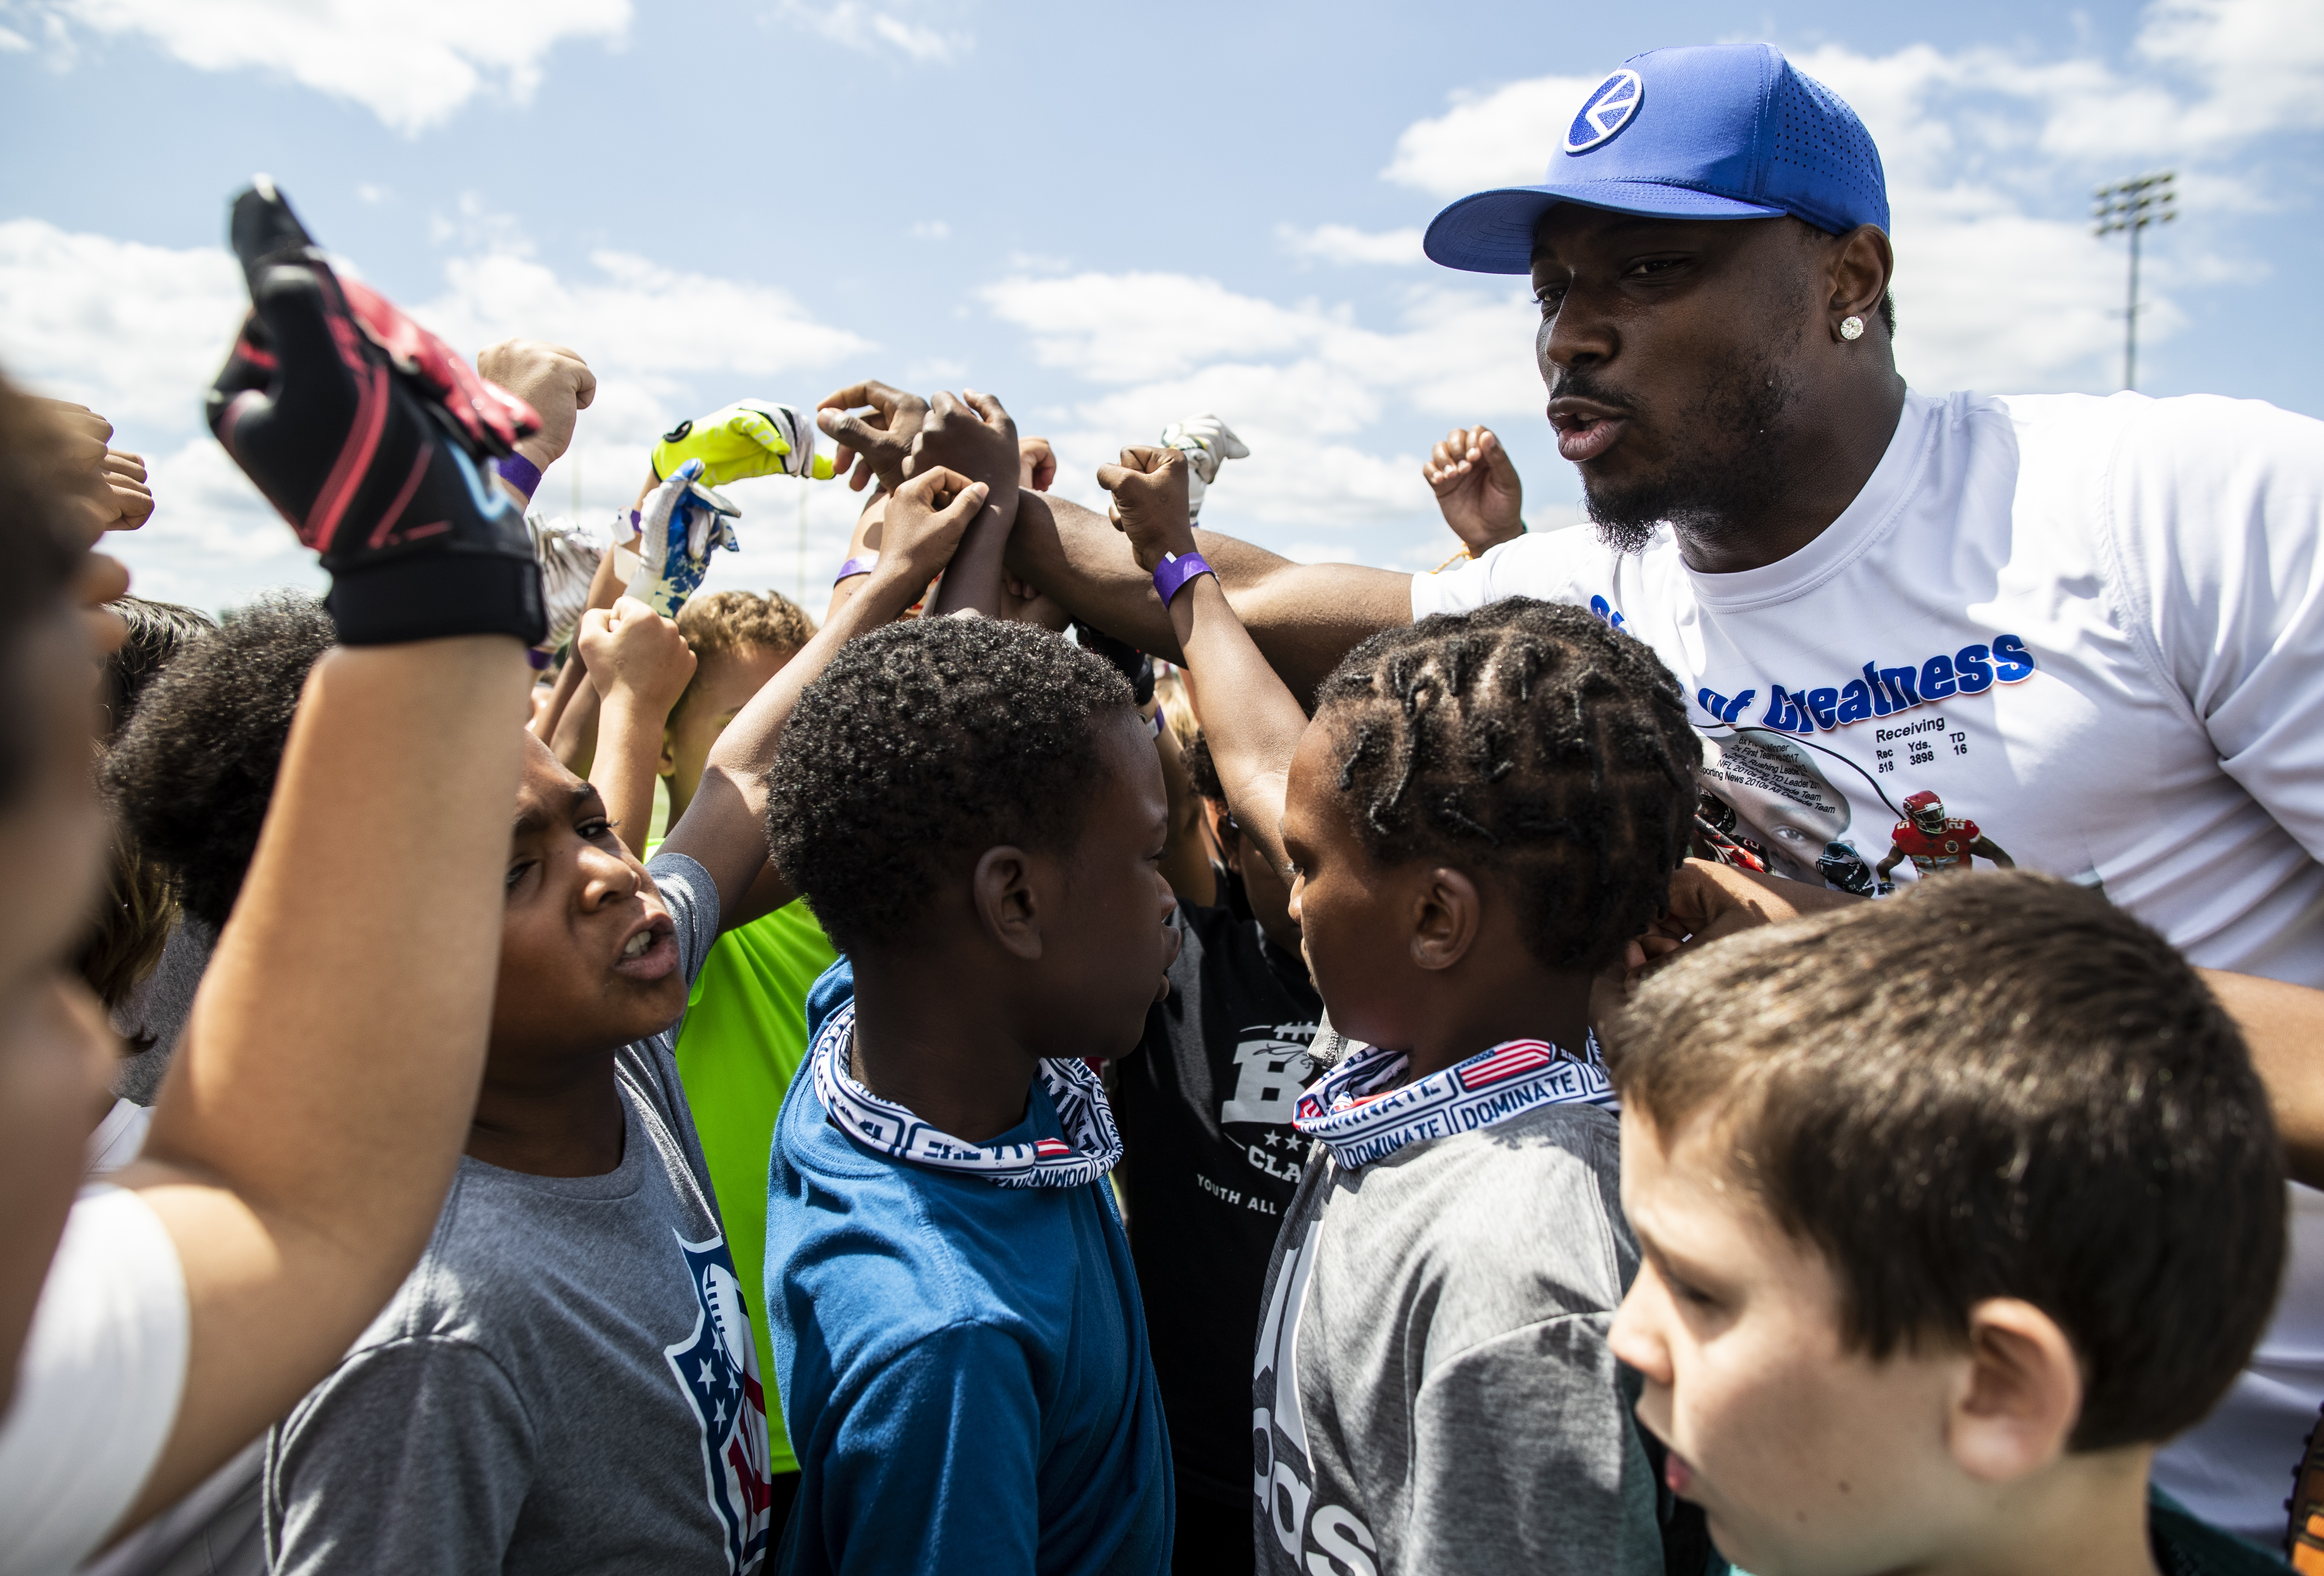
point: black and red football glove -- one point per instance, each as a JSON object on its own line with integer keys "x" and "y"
{"x": 374, "y": 439}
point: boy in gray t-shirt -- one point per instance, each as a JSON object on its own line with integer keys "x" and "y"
{"x": 567, "y": 1381}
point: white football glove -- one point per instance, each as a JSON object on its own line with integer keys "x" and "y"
{"x": 1209, "y": 443}
{"x": 568, "y": 555}
{"x": 682, "y": 520}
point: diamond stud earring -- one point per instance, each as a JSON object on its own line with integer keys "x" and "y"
{"x": 1851, "y": 327}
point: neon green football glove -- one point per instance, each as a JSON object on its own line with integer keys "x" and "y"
{"x": 750, "y": 437}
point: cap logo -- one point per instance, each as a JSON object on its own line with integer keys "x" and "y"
{"x": 1605, "y": 111}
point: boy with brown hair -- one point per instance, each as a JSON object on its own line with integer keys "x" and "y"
{"x": 1952, "y": 1210}
{"x": 740, "y": 640}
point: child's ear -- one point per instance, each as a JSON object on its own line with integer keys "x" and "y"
{"x": 2020, "y": 1395}
{"x": 1003, "y": 890}
{"x": 1445, "y": 915}
{"x": 668, "y": 765}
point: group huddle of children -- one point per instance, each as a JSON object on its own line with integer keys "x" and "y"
{"x": 1001, "y": 1126}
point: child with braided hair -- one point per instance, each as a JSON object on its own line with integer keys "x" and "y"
{"x": 1484, "y": 815}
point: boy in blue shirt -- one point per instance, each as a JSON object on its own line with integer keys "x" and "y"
{"x": 975, "y": 811}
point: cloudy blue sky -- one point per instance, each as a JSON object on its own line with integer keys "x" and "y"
{"x": 1111, "y": 216}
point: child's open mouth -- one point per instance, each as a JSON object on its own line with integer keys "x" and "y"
{"x": 650, "y": 952}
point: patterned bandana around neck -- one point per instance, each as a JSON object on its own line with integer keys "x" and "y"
{"x": 1090, "y": 1148}
{"x": 1362, "y": 1114}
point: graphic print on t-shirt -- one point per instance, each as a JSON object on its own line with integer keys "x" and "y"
{"x": 718, "y": 1369}
{"x": 1282, "y": 1479}
{"x": 1770, "y": 801}
{"x": 1935, "y": 841}
{"x": 1272, "y": 1069}
{"x": 1767, "y": 805}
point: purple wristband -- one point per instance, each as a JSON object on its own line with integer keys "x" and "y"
{"x": 522, "y": 474}
{"x": 1175, "y": 570}
{"x": 855, "y": 567}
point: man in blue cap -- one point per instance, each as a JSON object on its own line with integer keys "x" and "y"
{"x": 2088, "y": 626}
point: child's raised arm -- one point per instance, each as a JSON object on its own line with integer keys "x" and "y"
{"x": 1250, "y": 718}
{"x": 974, "y": 439}
{"x": 639, "y": 665}
{"x": 319, "y": 1098}
{"x": 725, "y": 828}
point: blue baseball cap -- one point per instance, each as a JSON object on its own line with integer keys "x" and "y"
{"x": 1721, "y": 132}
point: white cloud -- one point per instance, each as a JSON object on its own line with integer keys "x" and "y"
{"x": 659, "y": 325}
{"x": 1501, "y": 138}
{"x": 875, "y": 31}
{"x": 1305, "y": 385}
{"x": 411, "y": 62}
{"x": 14, "y": 42}
{"x": 138, "y": 332}
{"x": 1346, "y": 244}
{"x": 930, "y": 230}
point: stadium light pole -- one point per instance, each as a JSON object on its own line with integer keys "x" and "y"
{"x": 2128, "y": 206}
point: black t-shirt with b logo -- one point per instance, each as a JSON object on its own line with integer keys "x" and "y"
{"x": 1210, "y": 1162}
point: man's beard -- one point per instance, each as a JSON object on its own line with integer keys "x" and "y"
{"x": 1733, "y": 470}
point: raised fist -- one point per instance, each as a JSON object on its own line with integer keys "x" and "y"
{"x": 924, "y": 521}
{"x": 1207, "y": 443}
{"x": 554, "y": 381}
{"x": 1149, "y": 502}
{"x": 365, "y": 431}
{"x": 629, "y": 646}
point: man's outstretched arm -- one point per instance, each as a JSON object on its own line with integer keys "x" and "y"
{"x": 1304, "y": 617}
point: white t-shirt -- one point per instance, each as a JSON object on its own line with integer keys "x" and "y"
{"x": 98, "y": 1391}
{"x": 2093, "y": 629}
{"x": 118, "y": 1140}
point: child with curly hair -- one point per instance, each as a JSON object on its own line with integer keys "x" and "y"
{"x": 975, "y": 812}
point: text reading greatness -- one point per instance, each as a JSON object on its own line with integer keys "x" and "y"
{"x": 1879, "y": 692}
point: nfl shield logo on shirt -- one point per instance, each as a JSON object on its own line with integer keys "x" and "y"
{"x": 717, "y": 1368}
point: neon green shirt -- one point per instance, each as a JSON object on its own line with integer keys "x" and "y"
{"x": 744, "y": 1035}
